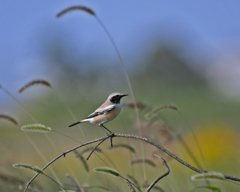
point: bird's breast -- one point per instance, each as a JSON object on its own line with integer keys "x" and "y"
{"x": 108, "y": 116}
{"x": 114, "y": 113}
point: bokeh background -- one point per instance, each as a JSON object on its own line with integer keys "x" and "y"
{"x": 184, "y": 53}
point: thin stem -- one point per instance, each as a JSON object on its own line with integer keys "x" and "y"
{"x": 95, "y": 148}
{"x": 74, "y": 183}
{"x": 125, "y": 72}
{"x": 130, "y": 183}
{"x": 19, "y": 103}
{"x": 55, "y": 181}
{"x": 28, "y": 137}
{"x": 183, "y": 143}
{"x": 32, "y": 142}
{"x": 86, "y": 147}
{"x": 188, "y": 150}
{"x": 131, "y": 156}
{"x": 109, "y": 159}
{"x": 70, "y": 112}
{"x": 130, "y": 87}
{"x": 74, "y": 118}
{"x": 161, "y": 148}
{"x": 159, "y": 178}
{"x": 132, "y": 137}
{"x": 195, "y": 138}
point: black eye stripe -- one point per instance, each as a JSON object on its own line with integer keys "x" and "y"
{"x": 115, "y": 99}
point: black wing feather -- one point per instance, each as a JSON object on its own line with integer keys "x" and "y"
{"x": 101, "y": 111}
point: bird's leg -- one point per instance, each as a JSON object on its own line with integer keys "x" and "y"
{"x": 106, "y": 129}
{"x": 103, "y": 129}
{"x": 102, "y": 126}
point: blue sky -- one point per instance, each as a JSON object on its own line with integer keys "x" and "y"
{"x": 207, "y": 28}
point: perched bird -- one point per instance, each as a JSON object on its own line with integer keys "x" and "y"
{"x": 106, "y": 112}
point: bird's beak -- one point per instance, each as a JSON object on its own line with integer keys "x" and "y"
{"x": 123, "y": 95}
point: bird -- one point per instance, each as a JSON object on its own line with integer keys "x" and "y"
{"x": 106, "y": 112}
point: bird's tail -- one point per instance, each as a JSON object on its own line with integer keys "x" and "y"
{"x": 84, "y": 120}
{"x": 74, "y": 124}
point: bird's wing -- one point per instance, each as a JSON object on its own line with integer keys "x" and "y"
{"x": 101, "y": 111}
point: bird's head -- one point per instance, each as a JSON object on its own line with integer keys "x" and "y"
{"x": 116, "y": 97}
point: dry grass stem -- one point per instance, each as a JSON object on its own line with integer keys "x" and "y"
{"x": 36, "y": 170}
{"x": 157, "y": 188}
{"x": 129, "y": 185}
{"x": 96, "y": 147}
{"x": 229, "y": 177}
{"x": 134, "y": 180}
{"x": 90, "y": 149}
{"x": 159, "y": 178}
{"x": 28, "y": 138}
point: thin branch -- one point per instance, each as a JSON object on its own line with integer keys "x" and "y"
{"x": 63, "y": 155}
{"x": 161, "y": 148}
{"x": 111, "y": 141}
{"x": 159, "y": 178}
{"x": 125, "y": 72}
{"x": 132, "y": 137}
{"x": 55, "y": 182}
{"x": 95, "y": 148}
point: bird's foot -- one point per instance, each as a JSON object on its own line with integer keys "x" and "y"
{"x": 110, "y": 134}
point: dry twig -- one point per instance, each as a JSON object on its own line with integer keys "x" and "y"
{"x": 159, "y": 178}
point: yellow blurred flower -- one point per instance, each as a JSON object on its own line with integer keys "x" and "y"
{"x": 218, "y": 142}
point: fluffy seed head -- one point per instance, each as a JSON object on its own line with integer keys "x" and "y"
{"x": 208, "y": 175}
{"x": 36, "y": 128}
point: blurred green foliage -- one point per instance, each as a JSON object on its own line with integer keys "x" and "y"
{"x": 84, "y": 82}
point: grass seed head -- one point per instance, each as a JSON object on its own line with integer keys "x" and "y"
{"x": 77, "y": 7}
{"x": 34, "y": 169}
{"x": 107, "y": 170}
{"x": 36, "y": 128}
{"x": 9, "y": 118}
{"x": 35, "y": 82}
{"x": 208, "y": 175}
